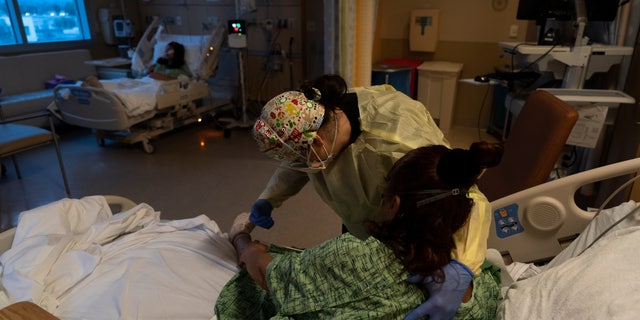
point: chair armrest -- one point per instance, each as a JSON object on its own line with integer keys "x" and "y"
{"x": 40, "y": 114}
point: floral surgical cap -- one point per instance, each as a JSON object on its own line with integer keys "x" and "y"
{"x": 289, "y": 118}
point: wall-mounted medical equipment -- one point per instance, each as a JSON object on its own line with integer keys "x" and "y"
{"x": 423, "y": 30}
{"x": 572, "y": 64}
{"x": 122, "y": 28}
{"x": 237, "y": 34}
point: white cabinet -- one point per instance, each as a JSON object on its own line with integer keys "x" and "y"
{"x": 437, "y": 86}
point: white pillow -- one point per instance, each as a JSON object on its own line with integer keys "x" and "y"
{"x": 194, "y": 46}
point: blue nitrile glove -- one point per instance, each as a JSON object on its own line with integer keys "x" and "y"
{"x": 444, "y": 298}
{"x": 261, "y": 214}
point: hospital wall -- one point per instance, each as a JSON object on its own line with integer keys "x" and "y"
{"x": 280, "y": 56}
{"x": 468, "y": 33}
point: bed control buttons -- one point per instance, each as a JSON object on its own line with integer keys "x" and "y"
{"x": 506, "y": 220}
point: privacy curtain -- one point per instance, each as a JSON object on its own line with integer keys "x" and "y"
{"x": 349, "y": 39}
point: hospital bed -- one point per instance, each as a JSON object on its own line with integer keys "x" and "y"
{"x": 139, "y": 109}
{"x": 78, "y": 260}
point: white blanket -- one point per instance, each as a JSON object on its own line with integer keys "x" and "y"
{"x": 137, "y": 95}
{"x": 78, "y": 261}
{"x": 601, "y": 283}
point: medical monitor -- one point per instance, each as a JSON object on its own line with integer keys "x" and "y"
{"x": 564, "y": 10}
{"x": 556, "y": 18}
{"x": 541, "y": 10}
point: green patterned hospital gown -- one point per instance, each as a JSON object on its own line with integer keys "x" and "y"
{"x": 343, "y": 278}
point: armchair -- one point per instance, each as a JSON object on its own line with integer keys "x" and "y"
{"x": 16, "y": 138}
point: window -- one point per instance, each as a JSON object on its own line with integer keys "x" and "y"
{"x": 27, "y": 25}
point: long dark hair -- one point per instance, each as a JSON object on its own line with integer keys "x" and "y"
{"x": 178, "y": 56}
{"x": 421, "y": 235}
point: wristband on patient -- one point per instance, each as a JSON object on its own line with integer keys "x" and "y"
{"x": 242, "y": 236}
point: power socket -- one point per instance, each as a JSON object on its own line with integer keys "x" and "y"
{"x": 268, "y": 24}
{"x": 513, "y": 31}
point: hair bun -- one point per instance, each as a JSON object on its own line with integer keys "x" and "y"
{"x": 307, "y": 89}
{"x": 458, "y": 168}
{"x": 488, "y": 155}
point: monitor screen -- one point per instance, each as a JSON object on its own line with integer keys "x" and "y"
{"x": 541, "y": 10}
{"x": 564, "y": 10}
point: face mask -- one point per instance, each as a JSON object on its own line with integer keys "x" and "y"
{"x": 315, "y": 166}
{"x": 311, "y": 166}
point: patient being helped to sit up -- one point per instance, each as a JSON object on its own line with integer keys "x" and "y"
{"x": 387, "y": 275}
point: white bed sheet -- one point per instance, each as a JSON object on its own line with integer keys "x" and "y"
{"x": 137, "y": 95}
{"x": 78, "y": 261}
{"x": 601, "y": 283}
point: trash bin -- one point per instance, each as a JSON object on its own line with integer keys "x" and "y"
{"x": 398, "y": 77}
{"x": 437, "y": 85}
{"x": 413, "y": 64}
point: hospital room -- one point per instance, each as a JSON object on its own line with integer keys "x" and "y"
{"x": 258, "y": 159}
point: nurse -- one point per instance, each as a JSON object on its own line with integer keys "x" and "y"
{"x": 344, "y": 142}
{"x": 423, "y": 204}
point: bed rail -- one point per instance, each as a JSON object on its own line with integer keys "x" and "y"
{"x": 94, "y": 108}
{"x": 143, "y": 53}
{"x": 530, "y": 225}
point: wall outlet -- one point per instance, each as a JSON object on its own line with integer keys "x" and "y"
{"x": 268, "y": 24}
{"x": 513, "y": 31}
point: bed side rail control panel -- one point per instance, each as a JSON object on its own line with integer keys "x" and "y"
{"x": 534, "y": 224}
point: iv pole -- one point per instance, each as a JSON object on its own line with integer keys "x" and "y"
{"x": 244, "y": 121}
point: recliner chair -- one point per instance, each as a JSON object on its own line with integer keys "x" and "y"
{"x": 533, "y": 146}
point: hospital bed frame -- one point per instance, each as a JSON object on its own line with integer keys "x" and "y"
{"x": 178, "y": 102}
{"x": 535, "y": 224}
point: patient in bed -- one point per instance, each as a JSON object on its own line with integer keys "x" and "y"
{"x": 385, "y": 276}
{"x": 171, "y": 65}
